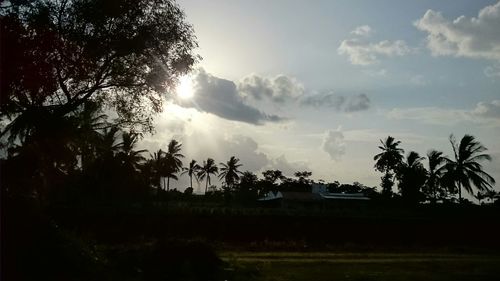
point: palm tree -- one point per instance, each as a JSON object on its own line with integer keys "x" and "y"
{"x": 89, "y": 122}
{"x": 388, "y": 161}
{"x": 465, "y": 170}
{"x": 173, "y": 162}
{"x": 192, "y": 170}
{"x": 206, "y": 170}
{"x": 155, "y": 166}
{"x": 229, "y": 172}
{"x": 130, "y": 158}
{"x": 436, "y": 162}
{"x": 411, "y": 175}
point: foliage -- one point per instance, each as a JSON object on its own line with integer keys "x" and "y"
{"x": 229, "y": 172}
{"x": 434, "y": 187}
{"x": 172, "y": 163}
{"x": 62, "y": 54}
{"x": 208, "y": 168}
{"x": 465, "y": 170}
{"x": 411, "y": 176}
{"x": 387, "y": 162}
{"x": 191, "y": 171}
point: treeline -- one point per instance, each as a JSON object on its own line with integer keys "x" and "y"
{"x": 85, "y": 157}
{"x": 444, "y": 177}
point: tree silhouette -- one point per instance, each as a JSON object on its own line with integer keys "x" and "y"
{"x": 191, "y": 171}
{"x": 229, "y": 172}
{"x": 208, "y": 168}
{"x": 172, "y": 161}
{"x": 465, "y": 170}
{"x": 154, "y": 167}
{"x": 130, "y": 159}
{"x": 61, "y": 54}
{"x": 411, "y": 175}
{"x": 436, "y": 162}
{"x": 387, "y": 162}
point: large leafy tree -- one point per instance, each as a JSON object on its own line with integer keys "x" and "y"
{"x": 208, "y": 168}
{"x": 465, "y": 170}
{"x": 62, "y": 53}
{"x": 387, "y": 162}
{"x": 229, "y": 172}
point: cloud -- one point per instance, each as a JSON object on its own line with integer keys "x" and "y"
{"x": 338, "y": 102}
{"x": 288, "y": 168}
{"x": 284, "y": 89}
{"x": 363, "y": 30}
{"x": 492, "y": 71}
{"x": 361, "y": 52}
{"x": 487, "y": 110}
{"x": 220, "y": 97}
{"x": 279, "y": 89}
{"x": 484, "y": 113}
{"x": 476, "y": 37}
{"x": 419, "y": 80}
{"x": 333, "y": 144}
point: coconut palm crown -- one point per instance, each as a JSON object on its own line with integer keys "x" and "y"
{"x": 465, "y": 170}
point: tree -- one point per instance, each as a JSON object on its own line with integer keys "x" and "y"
{"x": 411, "y": 175}
{"x": 436, "y": 162}
{"x": 229, "y": 172}
{"x": 172, "y": 161}
{"x": 272, "y": 175}
{"x": 130, "y": 159}
{"x": 465, "y": 170}
{"x": 155, "y": 168}
{"x": 208, "y": 168}
{"x": 387, "y": 162}
{"x": 118, "y": 53}
{"x": 191, "y": 171}
{"x": 248, "y": 181}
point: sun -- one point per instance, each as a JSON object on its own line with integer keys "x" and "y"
{"x": 185, "y": 88}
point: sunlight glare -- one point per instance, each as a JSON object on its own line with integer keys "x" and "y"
{"x": 185, "y": 88}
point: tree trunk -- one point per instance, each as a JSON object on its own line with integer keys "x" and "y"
{"x": 434, "y": 191}
{"x": 206, "y": 187}
{"x": 191, "y": 179}
{"x": 168, "y": 183}
{"x": 459, "y": 192}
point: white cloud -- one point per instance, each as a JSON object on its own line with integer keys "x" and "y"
{"x": 363, "y": 30}
{"x": 476, "y": 37}
{"x": 361, "y": 52}
{"x": 488, "y": 110}
{"x": 279, "y": 89}
{"x": 288, "y": 168}
{"x": 333, "y": 143}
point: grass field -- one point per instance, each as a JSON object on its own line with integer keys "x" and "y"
{"x": 378, "y": 266}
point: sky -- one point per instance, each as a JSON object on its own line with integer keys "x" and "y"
{"x": 314, "y": 85}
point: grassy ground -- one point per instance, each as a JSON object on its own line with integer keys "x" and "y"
{"x": 326, "y": 266}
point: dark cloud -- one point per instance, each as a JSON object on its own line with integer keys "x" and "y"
{"x": 338, "y": 102}
{"x": 220, "y": 97}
